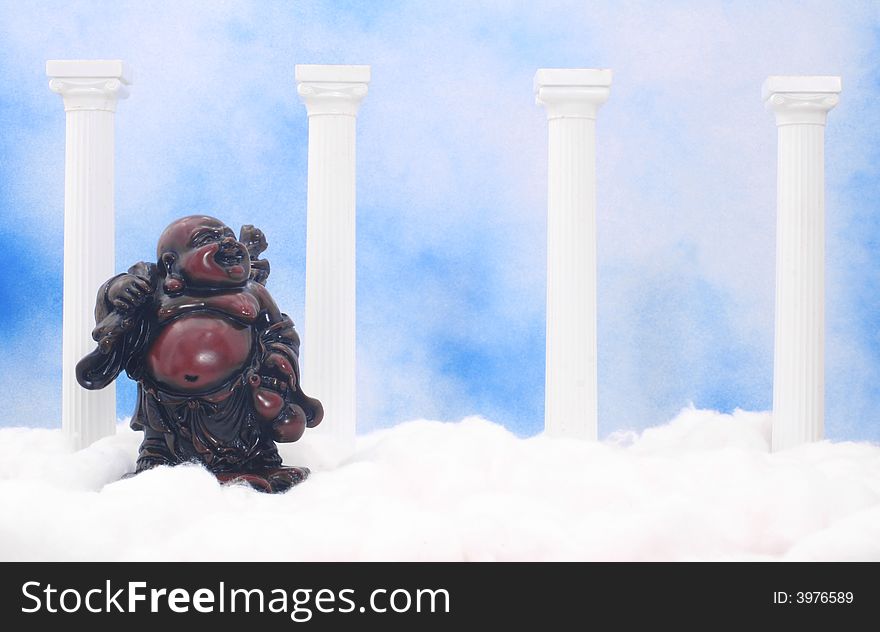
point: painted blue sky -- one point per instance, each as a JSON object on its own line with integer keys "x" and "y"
{"x": 452, "y": 189}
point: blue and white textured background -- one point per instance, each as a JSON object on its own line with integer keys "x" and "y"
{"x": 452, "y": 189}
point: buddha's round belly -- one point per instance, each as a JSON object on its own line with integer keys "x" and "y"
{"x": 199, "y": 352}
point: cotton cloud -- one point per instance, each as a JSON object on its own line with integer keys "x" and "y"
{"x": 703, "y": 487}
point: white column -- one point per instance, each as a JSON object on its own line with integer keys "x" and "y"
{"x": 800, "y": 105}
{"x": 90, "y": 90}
{"x": 572, "y": 97}
{"x": 332, "y": 96}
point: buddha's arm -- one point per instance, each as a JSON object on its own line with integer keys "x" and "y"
{"x": 280, "y": 342}
{"x": 120, "y": 329}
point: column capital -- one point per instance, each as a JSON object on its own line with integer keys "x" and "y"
{"x": 572, "y": 92}
{"x": 89, "y": 84}
{"x": 332, "y": 89}
{"x": 800, "y": 100}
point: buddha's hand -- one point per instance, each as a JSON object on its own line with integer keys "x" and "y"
{"x": 127, "y": 292}
{"x": 278, "y": 366}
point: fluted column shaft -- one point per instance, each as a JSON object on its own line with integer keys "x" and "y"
{"x": 572, "y": 98}
{"x": 332, "y": 95}
{"x": 800, "y": 105}
{"x": 90, "y": 90}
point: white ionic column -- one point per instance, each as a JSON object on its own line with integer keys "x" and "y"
{"x": 90, "y": 90}
{"x": 572, "y": 97}
{"x": 332, "y": 96}
{"x": 800, "y": 105}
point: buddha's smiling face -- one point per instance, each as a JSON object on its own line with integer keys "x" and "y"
{"x": 205, "y": 252}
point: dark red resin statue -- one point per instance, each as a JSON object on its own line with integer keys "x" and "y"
{"x": 216, "y": 362}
